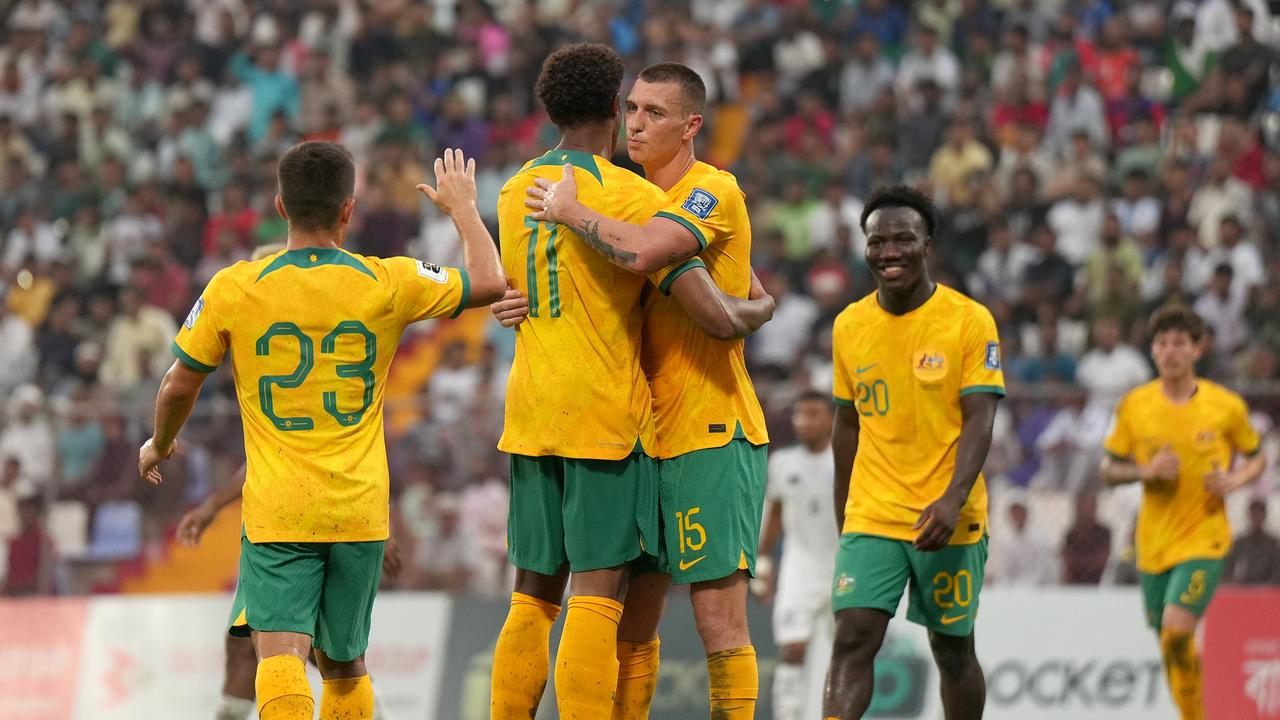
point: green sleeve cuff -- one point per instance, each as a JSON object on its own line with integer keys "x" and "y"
{"x": 189, "y": 361}
{"x": 997, "y": 390}
{"x": 686, "y": 266}
{"x": 1117, "y": 456}
{"x": 466, "y": 293}
{"x": 1250, "y": 453}
{"x": 841, "y": 402}
{"x": 697, "y": 234}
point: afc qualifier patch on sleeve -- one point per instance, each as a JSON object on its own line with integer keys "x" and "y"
{"x": 432, "y": 272}
{"x": 194, "y": 315}
{"x": 700, "y": 203}
{"x": 993, "y": 356}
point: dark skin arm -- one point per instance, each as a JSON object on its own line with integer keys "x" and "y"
{"x": 844, "y": 448}
{"x": 720, "y": 315}
{"x": 192, "y": 525}
{"x": 177, "y": 395}
{"x": 938, "y": 521}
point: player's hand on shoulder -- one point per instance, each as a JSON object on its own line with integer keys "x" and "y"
{"x": 548, "y": 200}
{"x": 149, "y": 459}
{"x": 938, "y": 523}
{"x": 455, "y": 189}
{"x": 512, "y": 309}
{"x": 1164, "y": 466}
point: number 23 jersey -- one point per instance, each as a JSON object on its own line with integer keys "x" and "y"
{"x": 904, "y": 375}
{"x": 311, "y": 333}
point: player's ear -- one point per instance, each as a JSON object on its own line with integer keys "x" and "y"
{"x": 280, "y": 208}
{"x": 617, "y": 104}
{"x": 348, "y": 209}
{"x": 692, "y": 127}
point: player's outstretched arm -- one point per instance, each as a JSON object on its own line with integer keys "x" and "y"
{"x": 938, "y": 521}
{"x": 720, "y": 315}
{"x": 455, "y": 195}
{"x": 844, "y": 447}
{"x": 177, "y": 395}
{"x": 639, "y": 248}
{"x": 193, "y": 524}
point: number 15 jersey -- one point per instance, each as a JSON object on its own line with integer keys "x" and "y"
{"x": 311, "y": 334}
{"x": 904, "y": 375}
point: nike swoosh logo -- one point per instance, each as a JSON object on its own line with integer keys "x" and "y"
{"x": 686, "y": 565}
{"x": 864, "y": 369}
{"x": 949, "y": 620}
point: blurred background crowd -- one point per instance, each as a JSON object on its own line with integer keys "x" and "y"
{"x": 1093, "y": 160}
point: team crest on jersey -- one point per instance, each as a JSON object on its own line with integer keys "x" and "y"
{"x": 431, "y": 271}
{"x": 700, "y": 203}
{"x": 1206, "y": 437}
{"x": 844, "y": 584}
{"x": 194, "y": 315}
{"x": 929, "y": 365}
{"x": 993, "y": 356}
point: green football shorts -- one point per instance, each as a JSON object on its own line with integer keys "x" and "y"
{"x": 872, "y": 572}
{"x": 324, "y": 590}
{"x": 593, "y": 514}
{"x": 712, "y": 501}
{"x": 1188, "y": 584}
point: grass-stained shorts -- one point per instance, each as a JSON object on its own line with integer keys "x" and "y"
{"x": 1189, "y": 584}
{"x": 324, "y": 590}
{"x": 872, "y": 572}
{"x": 711, "y": 502}
{"x": 594, "y": 514}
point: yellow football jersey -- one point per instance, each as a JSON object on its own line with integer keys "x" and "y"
{"x": 576, "y": 387}
{"x": 905, "y": 375}
{"x": 311, "y": 333}
{"x": 1181, "y": 520}
{"x": 702, "y": 394}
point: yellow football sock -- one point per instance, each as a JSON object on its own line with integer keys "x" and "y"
{"x": 1182, "y": 666}
{"x": 347, "y": 699}
{"x": 521, "y": 658}
{"x": 282, "y": 688}
{"x": 587, "y": 663}
{"x": 735, "y": 683}
{"x": 637, "y": 679}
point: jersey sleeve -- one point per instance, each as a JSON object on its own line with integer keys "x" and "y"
{"x": 666, "y": 277}
{"x": 423, "y": 290}
{"x": 205, "y": 335}
{"x": 1119, "y": 441}
{"x": 842, "y": 387}
{"x": 980, "y": 371}
{"x": 708, "y": 211}
{"x": 1240, "y": 433}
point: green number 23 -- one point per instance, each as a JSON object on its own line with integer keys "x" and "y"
{"x": 362, "y": 370}
{"x": 553, "y": 267}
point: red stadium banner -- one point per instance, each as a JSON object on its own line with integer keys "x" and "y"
{"x": 1242, "y": 654}
{"x": 40, "y": 648}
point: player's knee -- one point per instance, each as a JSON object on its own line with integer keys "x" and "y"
{"x": 954, "y": 655}
{"x": 334, "y": 669}
{"x": 855, "y": 642}
{"x": 793, "y": 653}
{"x": 547, "y": 588}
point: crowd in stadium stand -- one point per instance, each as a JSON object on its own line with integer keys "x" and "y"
{"x": 1093, "y": 160}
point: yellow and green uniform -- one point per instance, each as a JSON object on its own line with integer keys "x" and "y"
{"x": 711, "y": 433}
{"x": 579, "y": 418}
{"x": 905, "y": 376}
{"x": 1183, "y": 534}
{"x": 311, "y": 333}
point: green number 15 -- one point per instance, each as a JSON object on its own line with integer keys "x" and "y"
{"x": 553, "y": 267}
{"x": 362, "y": 371}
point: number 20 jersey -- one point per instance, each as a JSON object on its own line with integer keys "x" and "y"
{"x": 904, "y": 375}
{"x": 576, "y": 387}
{"x": 311, "y": 333}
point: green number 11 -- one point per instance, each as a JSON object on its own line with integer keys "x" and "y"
{"x": 553, "y": 267}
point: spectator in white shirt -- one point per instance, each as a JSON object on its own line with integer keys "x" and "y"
{"x": 1111, "y": 368}
{"x": 137, "y": 343}
{"x": 454, "y": 384}
{"x": 864, "y": 76}
{"x": 31, "y": 240}
{"x": 1002, "y": 266}
{"x": 1137, "y": 210}
{"x": 1077, "y": 220}
{"x": 28, "y": 435}
{"x": 1222, "y": 195}
{"x": 777, "y": 346}
{"x": 1240, "y": 254}
{"x": 927, "y": 60}
{"x": 837, "y": 209}
{"x": 1021, "y": 555}
{"x": 1222, "y": 308}
{"x": 1075, "y": 107}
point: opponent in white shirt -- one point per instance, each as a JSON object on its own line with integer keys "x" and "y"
{"x": 798, "y": 507}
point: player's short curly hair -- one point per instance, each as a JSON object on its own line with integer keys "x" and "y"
{"x": 902, "y": 196}
{"x": 1176, "y": 316}
{"x": 579, "y": 84}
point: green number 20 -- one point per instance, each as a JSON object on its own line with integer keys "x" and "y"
{"x": 362, "y": 370}
{"x": 553, "y": 267}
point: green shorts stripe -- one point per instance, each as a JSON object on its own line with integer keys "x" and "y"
{"x": 592, "y": 514}
{"x": 712, "y": 501}
{"x": 1189, "y": 584}
{"x": 325, "y": 590}
{"x": 943, "y": 586}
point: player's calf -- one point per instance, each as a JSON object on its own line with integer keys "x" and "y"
{"x": 521, "y": 657}
{"x": 281, "y": 683}
{"x": 851, "y": 679}
{"x": 347, "y": 691}
{"x": 964, "y": 688}
{"x": 241, "y": 665}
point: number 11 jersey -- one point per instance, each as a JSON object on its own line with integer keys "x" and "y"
{"x": 311, "y": 333}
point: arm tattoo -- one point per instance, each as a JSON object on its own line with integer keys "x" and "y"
{"x": 590, "y": 232}
{"x": 679, "y": 255}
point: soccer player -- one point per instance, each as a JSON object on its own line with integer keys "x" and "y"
{"x": 312, "y": 331}
{"x": 579, "y": 86}
{"x": 1178, "y": 436}
{"x": 711, "y": 433}
{"x": 917, "y": 379}
{"x": 798, "y": 508}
